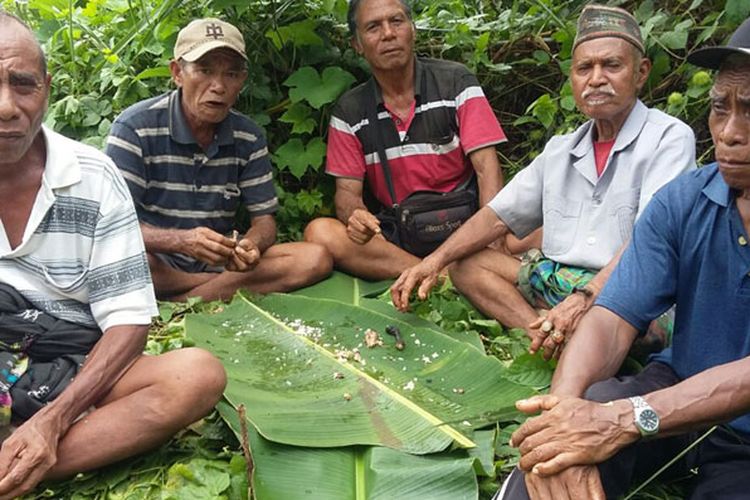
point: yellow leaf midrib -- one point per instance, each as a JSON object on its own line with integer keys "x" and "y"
{"x": 439, "y": 424}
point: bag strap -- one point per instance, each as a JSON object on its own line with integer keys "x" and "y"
{"x": 377, "y": 135}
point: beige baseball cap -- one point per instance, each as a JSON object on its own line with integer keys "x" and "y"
{"x": 204, "y": 35}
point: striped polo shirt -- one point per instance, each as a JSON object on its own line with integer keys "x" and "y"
{"x": 177, "y": 184}
{"x": 452, "y": 118}
{"x": 81, "y": 258}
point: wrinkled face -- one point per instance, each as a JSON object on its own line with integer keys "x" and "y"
{"x": 606, "y": 77}
{"x": 23, "y": 92}
{"x": 210, "y": 86}
{"x": 385, "y": 35}
{"x": 729, "y": 122}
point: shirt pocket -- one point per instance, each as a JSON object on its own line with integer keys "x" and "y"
{"x": 66, "y": 281}
{"x": 561, "y": 218}
{"x": 622, "y": 212}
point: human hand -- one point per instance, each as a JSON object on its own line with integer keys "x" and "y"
{"x": 574, "y": 483}
{"x": 425, "y": 274}
{"x": 26, "y": 456}
{"x": 571, "y": 431}
{"x": 554, "y": 330}
{"x": 208, "y": 246}
{"x": 362, "y": 226}
{"x": 245, "y": 257}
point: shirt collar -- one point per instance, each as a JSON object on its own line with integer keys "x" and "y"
{"x": 61, "y": 168}
{"x": 180, "y": 131}
{"x": 628, "y": 133}
{"x": 716, "y": 189}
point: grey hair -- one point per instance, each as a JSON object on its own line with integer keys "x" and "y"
{"x": 351, "y": 15}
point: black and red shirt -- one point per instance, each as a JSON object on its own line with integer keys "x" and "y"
{"x": 427, "y": 150}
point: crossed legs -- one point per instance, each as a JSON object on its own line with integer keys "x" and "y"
{"x": 488, "y": 279}
{"x": 378, "y": 259}
{"x": 155, "y": 398}
{"x": 282, "y": 268}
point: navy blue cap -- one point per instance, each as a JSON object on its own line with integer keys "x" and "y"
{"x": 712, "y": 57}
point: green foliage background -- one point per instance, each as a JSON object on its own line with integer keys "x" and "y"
{"x": 107, "y": 54}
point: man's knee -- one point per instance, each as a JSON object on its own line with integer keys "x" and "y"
{"x": 300, "y": 264}
{"x": 318, "y": 262}
{"x": 463, "y": 271}
{"x": 196, "y": 386}
{"x": 653, "y": 377}
{"x": 325, "y": 231}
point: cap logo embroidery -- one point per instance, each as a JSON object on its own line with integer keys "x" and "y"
{"x": 214, "y": 31}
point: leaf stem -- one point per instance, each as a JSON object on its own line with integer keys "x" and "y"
{"x": 669, "y": 464}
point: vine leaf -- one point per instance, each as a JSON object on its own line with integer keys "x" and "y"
{"x": 298, "y": 115}
{"x": 306, "y": 84}
{"x": 299, "y": 34}
{"x": 298, "y": 158}
{"x": 737, "y": 10}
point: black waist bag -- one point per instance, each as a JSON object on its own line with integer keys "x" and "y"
{"x": 426, "y": 219}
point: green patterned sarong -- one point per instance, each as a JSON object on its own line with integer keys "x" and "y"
{"x": 544, "y": 282}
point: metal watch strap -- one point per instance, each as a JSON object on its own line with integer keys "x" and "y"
{"x": 641, "y": 408}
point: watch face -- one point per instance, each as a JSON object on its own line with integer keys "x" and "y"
{"x": 649, "y": 420}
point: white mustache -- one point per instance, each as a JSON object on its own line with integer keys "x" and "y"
{"x": 606, "y": 90}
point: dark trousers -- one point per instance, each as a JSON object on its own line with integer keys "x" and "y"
{"x": 722, "y": 459}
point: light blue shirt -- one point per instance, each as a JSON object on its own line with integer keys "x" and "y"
{"x": 588, "y": 218}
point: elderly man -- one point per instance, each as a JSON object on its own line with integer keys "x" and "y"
{"x": 691, "y": 248}
{"x": 190, "y": 161}
{"x": 72, "y": 265}
{"x": 431, "y": 121}
{"x": 586, "y": 188}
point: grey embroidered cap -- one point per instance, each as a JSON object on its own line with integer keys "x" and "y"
{"x": 204, "y": 35}
{"x": 599, "y": 21}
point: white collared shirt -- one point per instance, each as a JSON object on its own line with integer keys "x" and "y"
{"x": 82, "y": 257}
{"x": 587, "y": 218}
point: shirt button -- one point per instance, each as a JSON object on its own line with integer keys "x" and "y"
{"x": 398, "y": 122}
{"x": 742, "y": 241}
{"x": 591, "y": 240}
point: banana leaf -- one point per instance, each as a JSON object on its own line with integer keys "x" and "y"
{"x": 291, "y": 361}
{"x": 356, "y": 291}
{"x": 357, "y": 472}
{"x": 344, "y": 288}
{"x": 414, "y": 321}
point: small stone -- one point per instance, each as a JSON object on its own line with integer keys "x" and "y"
{"x": 347, "y": 396}
{"x": 338, "y": 376}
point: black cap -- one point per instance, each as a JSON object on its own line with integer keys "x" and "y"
{"x": 712, "y": 57}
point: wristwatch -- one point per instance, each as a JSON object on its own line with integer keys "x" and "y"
{"x": 644, "y": 417}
